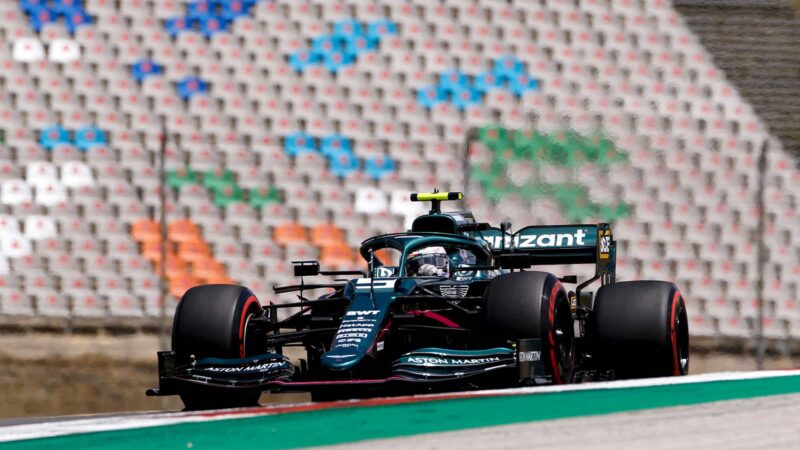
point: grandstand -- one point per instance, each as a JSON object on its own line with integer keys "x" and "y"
{"x": 295, "y": 129}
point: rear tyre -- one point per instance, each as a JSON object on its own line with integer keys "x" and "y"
{"x": 210, "y": 321}
{"x": 533, "y": 305}
{"x": 641, "y": 329}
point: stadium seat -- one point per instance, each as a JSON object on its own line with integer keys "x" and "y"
{"x": 64, "y": 51}
{"x": 289, "y": 233}
{"x": 189, "y": 87}
{"x": 146, "y": 68}
{"x": 51, "y": 137}
{"x": 28, "y": 50}
{"x": 15, "y": 303}
{"x": 89, "y": 137}
{"x": 370, "y": 201}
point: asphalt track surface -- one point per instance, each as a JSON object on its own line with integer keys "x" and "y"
{"x": 726, "y": 410}
{"x": 759, "y": 423}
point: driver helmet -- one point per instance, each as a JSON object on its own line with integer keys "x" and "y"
{"x": 428, "y": 262}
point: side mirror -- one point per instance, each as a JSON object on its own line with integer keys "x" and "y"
{"x": 306, "y": 268}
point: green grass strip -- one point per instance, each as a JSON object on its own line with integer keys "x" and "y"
{"x": 343, "y": 425}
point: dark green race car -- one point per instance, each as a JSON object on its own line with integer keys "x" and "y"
{"x": 451, "y": 304}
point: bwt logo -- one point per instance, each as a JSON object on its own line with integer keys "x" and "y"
{"x": 366, "y": 312}
{"x": 539, "y": 240}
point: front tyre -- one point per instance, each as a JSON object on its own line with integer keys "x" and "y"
{"x": 211, "y": 321}
{"x": 533, "y": 305}
{"x": 641, "y": 329}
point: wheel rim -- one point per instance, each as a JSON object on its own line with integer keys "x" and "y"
{"x": 564, "y": 339}
{"x": 682, "y": 338}
{"x": 244, "y": 335}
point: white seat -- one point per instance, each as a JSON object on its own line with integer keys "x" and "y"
{"x": 401, "y": 204}
{"x": 14, "y": 246}
{"x": 38, "y": 173}
{"x": 15, "y": 192}
{"x": 28, "y": 50}
{"x": 9, "y": 225}
{"x": 370, "y": 200}
{"x": 50, "y": 194}
{"x": 76, "y": 174}
{"x": 38, "y": 227}
{"x": 64, "y": 51}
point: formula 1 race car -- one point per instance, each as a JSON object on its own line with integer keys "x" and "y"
{"x": 449, "y": 305}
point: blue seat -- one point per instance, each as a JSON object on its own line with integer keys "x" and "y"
{"x": 343, "y": 164}
{"x": 326, "y": 43}
{"x": 39, "y": 16}
{"x": 30, "y": 5}
{"x": 333, "y": 61}
{"x": 145, "y": 68}
{"x": 333, "y": 144}
{"x": 76, "y": 18}
{"x": 52, "y": 137}
{"x": 200, "y": 8}
{"x": 507, "y": 66}
{"x": 177, "y": 25}
{"x": 430, "y": 96}
{"x": 381, "y": 28}
{"x": 88, "y": 137}
{"x": 452, "y": 80}
{"x": 299, "y": 142}
{"x": 486, "y": 81}
{"x": 464, "y": 96}
{"x": 301, "y": 59}
{"x": 191, "y": 86}
{"x": 521, "y": 83}
{"x": 233, "y": 9}
{"x": 378, "y": 167}
{"x": 211, "y": 24}
{"x": 61, "y": 7}
{"x": 346, "y": 28}
{"x": 358, "y": 44}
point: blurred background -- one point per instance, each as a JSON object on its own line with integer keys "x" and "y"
{"x": 262, "y": 132}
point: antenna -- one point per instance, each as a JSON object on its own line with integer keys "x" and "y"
{"x": 436, "y": 198}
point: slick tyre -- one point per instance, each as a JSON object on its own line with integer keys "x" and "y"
{"x": 641, "y": 329}
{"x": 530, "y": 305}
{"x": 211, "y": 321}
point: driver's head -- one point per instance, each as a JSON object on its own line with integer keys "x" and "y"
{"x": 428, "y": 262}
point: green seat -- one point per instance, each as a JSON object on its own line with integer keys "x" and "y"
{"x": 612, "y": 213}
{"x": 213, "y": 179}
{"x": 530, "y": 144}
{"x": 227, "y": 194}
{"x": 261, "y": 196}
{"x": 497, "y": 139}
{"x": 180, "y": 177}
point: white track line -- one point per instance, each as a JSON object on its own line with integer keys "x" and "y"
{"x": 95, "y": 424}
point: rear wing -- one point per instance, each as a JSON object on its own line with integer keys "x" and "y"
{"x": 553, "y": 244}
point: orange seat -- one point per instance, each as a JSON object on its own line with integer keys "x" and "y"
{"x": 208, "y": 268}
{"x": 174, "y": 265}
{"x": 152, "y": 250}
{"x": 387, "y": 256}
{"x": 289, "y": 233}
{"x": 145, "y": 230}
{"x": 179, "y": 285}
{"x": 218, "y": 279}
{"x": 326, "y": 233}
{"x": 183, "y": 230}
{"x": 336, "y": 255}
{"x": 194, "y": 251}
